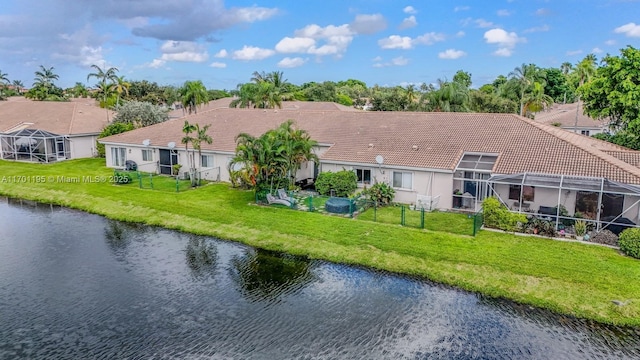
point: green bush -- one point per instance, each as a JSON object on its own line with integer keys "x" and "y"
{"x": 629, "y": 242}
{"x": 496, "y": 215}
{"x": 343, "y": 182}
{"x": 121, "y": 178}
{"x": 112, "y": 129}
{"x": 381, "y": 193}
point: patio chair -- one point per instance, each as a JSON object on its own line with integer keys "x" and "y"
{"x": 274, "y": 200}
{"x": 283, "y": 196}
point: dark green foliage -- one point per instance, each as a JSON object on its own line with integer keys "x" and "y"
{"x": 558, "y": 87}
{"x": 344, "y": 100}
{"x": 482, "y": 102}
{"x": 115, "y": 128}
{"x": 623, "y": 138}
{"x": 381, "y": 193}
{"x": 140, "y": 114}
{"x": 217, "y": 94}
{"x": 540, "y": 227}
{"x": 343, "y": 182}
{"x": 630, "y": 242}
{"x": 496, "y": 215}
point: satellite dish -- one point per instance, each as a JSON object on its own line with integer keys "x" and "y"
{"x": 379, "y": 159}
{"x": 146, "y": 142}
{"x": 171, "y": 145}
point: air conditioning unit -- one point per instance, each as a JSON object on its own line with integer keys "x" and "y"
{"x": 185, "y": 175}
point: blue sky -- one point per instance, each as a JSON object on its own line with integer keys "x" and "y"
{"x": 384, "y": 42}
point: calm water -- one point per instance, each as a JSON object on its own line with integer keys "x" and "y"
{"x": 75, "y": 285}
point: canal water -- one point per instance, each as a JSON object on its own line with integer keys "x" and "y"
{"x": 79, "y": 286}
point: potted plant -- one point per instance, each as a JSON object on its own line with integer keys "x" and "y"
{"x": 580, "y": 227}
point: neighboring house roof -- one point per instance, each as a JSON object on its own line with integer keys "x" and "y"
{"x": 410, "y": 139}
{"x": 79, "y": 116}
{"x": 565, "y": 115}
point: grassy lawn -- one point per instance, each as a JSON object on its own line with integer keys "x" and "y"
{"x": 454, "y": 223}
{"x": 570, "y": 278}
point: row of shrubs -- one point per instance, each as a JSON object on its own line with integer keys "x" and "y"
{"x": 344, "y": 183}
{"x": 498, "y": 216}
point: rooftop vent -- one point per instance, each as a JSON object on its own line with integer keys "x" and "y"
{"x": 370, "y": 145}
{"x": 415, "y": 147}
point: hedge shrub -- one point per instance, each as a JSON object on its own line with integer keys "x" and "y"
{"x": 344, "y": 183}
{"x": 496, "y": 215}
{"x": 380, "y": 192}
{"x": 629, "y": 242}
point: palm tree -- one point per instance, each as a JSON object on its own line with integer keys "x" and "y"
{"x": 194, "y": 94}
{"x": 450, "y": 97}
{"x": 537, "y": 100}
{"x": 566, "y": 68}
{"x": 585, "y": 70}
{"x": 104, "y": 76}
{"x": 105, "y": 91}
{"x": 298, "y": 147}
{"x": 187, "y": 129}
{"x": 201, "y": 136}
{"x": 79, "y": 90}
{"x": 524, "y": 75}
{"x": 45, "y": 77}
{"x": 18, "y": 85}
{"x": 121, "y": 86}
{"x": 3, "y": 81}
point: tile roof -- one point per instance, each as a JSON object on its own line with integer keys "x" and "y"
{"x": 422, "y": 140}
{"x": 79, "y": 116}
{"x": 565, "y": 115}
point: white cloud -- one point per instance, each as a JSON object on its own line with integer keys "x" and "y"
{"x": 336, "y": 38}
{"x": 156, "y": 63}
{"x": 377, "y": 58}
{"x": 409, "y": 10}
{"x": 429, "y": 38}
{"x": 252, "y": 14}
{"x": 630, "y": 30}
{"x": 461, "y": 8}
{"x": 185, "y": 51}
{"x": 408, "y": 22}
{"x": 482, "y": 23}
{"x": 502, "y": 38}
{"x": 221, "y": 54}
{"x": 542, "y": 12}
{"x": 460, "y": 33}
{"x": 451, "y": 54}
{"x": 610, "y": 42}
{"x": 396, "y": 42}
{"x": 218, "y": 65}
{"x": 503, "y": 52}
{"x": 574, "y": 52}
{"x": 504, "y": 12}
{"x": 252, "y": 53}
{"x": 596, "y": 50}
{"x": 291, "y": 62}
{"x": 295, "y": 45}
{"x": 400, "y": 61}
{"x": 368, "y": 24}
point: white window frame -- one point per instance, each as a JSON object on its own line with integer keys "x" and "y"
{"x": 209, "y": 160}
{"x": 118, "y": 156}
{"x": 585, "y": 132}
{"x": 405, "y": 174}
{"x": 147, "y": 155}
{"x": 363, "y": 182}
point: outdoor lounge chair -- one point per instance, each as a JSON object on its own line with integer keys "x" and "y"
{"x": 283, "y": 196}
{"x": 274, "y": 200}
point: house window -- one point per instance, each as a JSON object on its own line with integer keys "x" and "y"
{"x": 207, "y": 160}
{"x": 364, "y": 176}
{"x": 584, "y": 132}
{"x": 147, "y": 155}
{"x": 118, "y": 156}
{"x": 528, "y": 193}
{"x": 402, "y": 180}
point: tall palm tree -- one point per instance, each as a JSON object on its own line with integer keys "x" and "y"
{"x": 187, "y": 139}
{"x": 193, "y": 94}
{"x": 585, "y": 70}
{"x": 537, "y": 100}
{"x": 3, "y": 81}
{"x": 121, "y": 86}
{"x": 79, "y": 90}
{"x": 201, "y": 136}
{"x": 524, "y": 75}
{"x": 566, "y": 68}
{"x": 45, "y": 76}
{"x": 104, "y": 76}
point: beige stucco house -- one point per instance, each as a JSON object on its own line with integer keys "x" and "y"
{"x": 565, "y": 115}
{"x": 440, "y": 160}
{"x": 47, "y": 131}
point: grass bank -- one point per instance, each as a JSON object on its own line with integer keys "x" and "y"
{"x": 570, "y": 278}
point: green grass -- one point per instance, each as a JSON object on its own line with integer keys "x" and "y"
{"x": 570, "y": 278}
{"x": 454, "y": 223}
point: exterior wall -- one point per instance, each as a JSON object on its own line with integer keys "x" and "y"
{"x": 541, "y": 197}
{"x": 83, "y": 146}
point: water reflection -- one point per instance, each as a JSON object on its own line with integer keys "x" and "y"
{"x": 266, "y": 275}
{"x": 201, "y": 256}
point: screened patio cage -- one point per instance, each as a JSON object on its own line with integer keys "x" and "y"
{"x": 34, "y": 145}
{"x": 600, "y": 202}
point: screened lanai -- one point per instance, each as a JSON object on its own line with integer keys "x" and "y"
{"x": 34, "y": 145}
{"x": 603, "y": 203}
